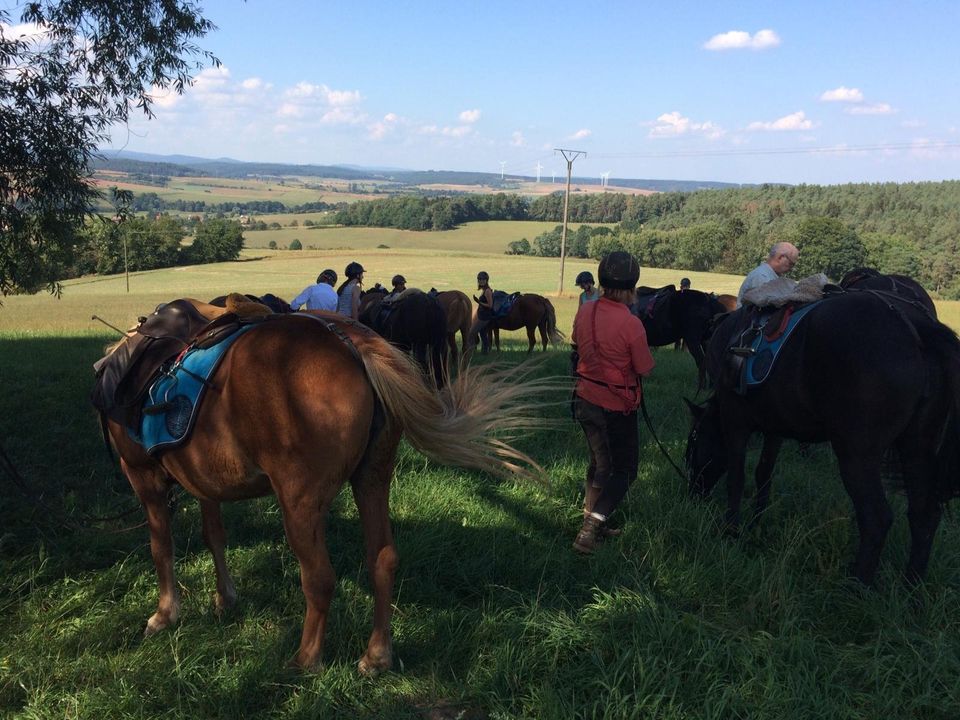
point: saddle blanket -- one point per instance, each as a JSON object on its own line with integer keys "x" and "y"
{"x": 768, "y": 343}
{"x": 171, "y": 403}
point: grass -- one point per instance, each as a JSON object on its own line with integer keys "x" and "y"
{"x": 495, "y": 616}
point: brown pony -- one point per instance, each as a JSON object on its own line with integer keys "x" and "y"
{"x": 459, "y": 313}
{"x": 298, "y": 406}
{"x": 534, "y": 312}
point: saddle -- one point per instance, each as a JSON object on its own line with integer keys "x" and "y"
{"x": 755, "y": 348}
{"x": 124, "y": 375}
{"x": 649, "y": 300}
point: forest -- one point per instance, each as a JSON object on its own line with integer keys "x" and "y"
{"x": 910, "y": 228}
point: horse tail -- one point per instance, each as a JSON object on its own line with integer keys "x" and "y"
{"x": 552, "y": 331}
{"x": 471, "y": 421}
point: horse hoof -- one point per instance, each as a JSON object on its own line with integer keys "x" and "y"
{"x": 156, "y": 623}
{"x": 372, "y": 667}
{"x": 223, "y": 602}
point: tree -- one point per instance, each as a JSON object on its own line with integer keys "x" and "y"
{"x": 828, "y": 246}
{"x": 216, "y": 240}
{"x": 61, "y": 90}
{"x": 296, "y": 244}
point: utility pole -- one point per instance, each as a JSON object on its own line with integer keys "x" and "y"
{"x": 569, "y": 156}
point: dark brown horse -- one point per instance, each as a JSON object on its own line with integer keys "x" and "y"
{"x": 669, "y": 316}
{"x": 412, "y": 320}
{"x": 902, "y": 285}
{"x": 299, "y": 406}
{"x": 458, "y": 309}
{"x": 533, "y": 312}
{"x": 866, "y": 372}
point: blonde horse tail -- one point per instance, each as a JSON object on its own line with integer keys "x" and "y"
{"x": 552, "y": 332}
{"x": 471, "y": 421}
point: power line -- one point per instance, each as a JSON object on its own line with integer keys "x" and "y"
{"x": 827, "y": 149}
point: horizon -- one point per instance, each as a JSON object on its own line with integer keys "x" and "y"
{"x": 819, "y": 94}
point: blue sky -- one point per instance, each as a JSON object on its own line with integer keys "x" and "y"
{"x": 813, "y": 92}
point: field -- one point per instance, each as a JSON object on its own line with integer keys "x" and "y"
{"x": 495, "y": 616}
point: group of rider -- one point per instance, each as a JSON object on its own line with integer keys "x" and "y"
{"x": 610, "y": 356}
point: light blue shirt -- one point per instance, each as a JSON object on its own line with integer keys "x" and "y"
{"x": 317, "y": 297}
{"x": 760, "y": 275}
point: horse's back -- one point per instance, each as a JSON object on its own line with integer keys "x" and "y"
{"x": 288, "y": 396}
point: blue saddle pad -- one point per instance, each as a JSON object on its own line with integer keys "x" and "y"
{"x": 760, "y": 362}
{"x": 170, "y": 406}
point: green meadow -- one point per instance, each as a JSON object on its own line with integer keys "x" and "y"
{"x": 495, "y": 616}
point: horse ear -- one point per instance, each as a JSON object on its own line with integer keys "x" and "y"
{"x": 695, "y": 410}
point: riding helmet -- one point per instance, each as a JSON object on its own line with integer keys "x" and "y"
{"x": 585, "y": 277}
{"x": 483, "y": 275}
{"x": 353, "y": 270}
{"x": 398, "y": 280}
{"x": 328, "y": 276}
{"x": 685, "y": 282}
{"x": 619, "y": 271}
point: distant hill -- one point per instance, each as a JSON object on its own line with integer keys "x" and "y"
{"x": 180, "y": 165}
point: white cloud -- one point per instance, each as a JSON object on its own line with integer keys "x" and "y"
{"x": 253, "y": 83}
{"x": 211, "y": 80}
{"x": 874, "y": 109}
{"x": 517, "y": 139}
{"x": 165, "y": 98}
{"x": 673, "y": 124}
{"x": 842, "y": 94}
{"x": 469, "y": 116}
{"x": 740, "y": 39}
{"x": 581, "y": 134}
{"x": 912, "y": 124}
{"x": 793, "y": 121}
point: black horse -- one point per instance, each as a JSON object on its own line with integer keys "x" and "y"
{"x": 868, "y": 373}
{"x": 869, "y": 279}
{"x": 414, "y": 321}
{"x": 669, "y": 315}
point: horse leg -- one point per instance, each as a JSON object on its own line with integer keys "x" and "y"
{"x": 923, "y": 507}
{"x": 151, "y": 486}
{"x": 216, "y": 539}
{"x": 861, "y": 477}
{"x": 531, "y": 338}
{"x": 452, "y": 347}
{"x": 371, "y": 492}
{"x": 695, "y": 346}
{"x": 305, "y": 501}
{"x": 496, "y": 337}
{"x": 543, "y": 334}
{"x": 736, "y": 460}
{"x": 764, "y": 471}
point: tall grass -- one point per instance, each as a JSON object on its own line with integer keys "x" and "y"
{"x": 496, "y": 616}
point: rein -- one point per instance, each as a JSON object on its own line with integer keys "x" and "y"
{"x": 646, "y": 417}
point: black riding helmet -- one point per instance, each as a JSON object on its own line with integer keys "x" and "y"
{"x": 685, "y": 282}
{"x": 353, "y": 270}
{"x": 398, "y": 280}
{"x": 483, "y": 275}
{"x": 585, "y": 277}
{"x": 328, "y": 276}
{"x": 619, "y": 271}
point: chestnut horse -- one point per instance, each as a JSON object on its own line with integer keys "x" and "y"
{"x": 459, "y": 313}
{"x": 298, "y": 406}
{"x": 533, "y": 312}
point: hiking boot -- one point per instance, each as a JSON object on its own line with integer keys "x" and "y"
{"x": 589, "y": 536}
{"x": 605, "y": 530}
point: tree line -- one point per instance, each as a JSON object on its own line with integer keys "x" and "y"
{"x": 911, "y": 228}
{"x": 105, "y": 246}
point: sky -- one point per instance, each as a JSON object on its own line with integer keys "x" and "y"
{"x": 749, "y": 92}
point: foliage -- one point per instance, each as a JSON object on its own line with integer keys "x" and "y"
{"x": 215, "y": 241}
{"x": 60, "y": 92}
{"x": 518, "y": 247}
{"x": 295, "y": 244}
{"x": 827, "y": 246}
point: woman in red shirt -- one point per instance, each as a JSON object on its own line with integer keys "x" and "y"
{"x": 611, "y": 355}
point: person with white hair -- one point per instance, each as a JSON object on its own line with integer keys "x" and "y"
{"x": 782, "y": 258}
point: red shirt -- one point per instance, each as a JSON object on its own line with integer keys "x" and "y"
{"x": 613, "y": 350}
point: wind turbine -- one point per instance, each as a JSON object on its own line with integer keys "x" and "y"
{"x": 539, "y": 168}
{"x": 503, "y": 164}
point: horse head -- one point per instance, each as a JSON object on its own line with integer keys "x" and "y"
{"x": 704, "y": 455}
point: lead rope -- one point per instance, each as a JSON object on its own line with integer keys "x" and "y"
{"x": 646, "y": 417}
